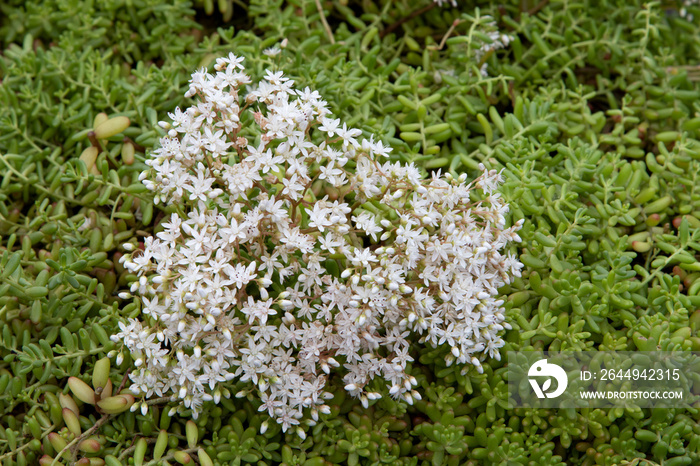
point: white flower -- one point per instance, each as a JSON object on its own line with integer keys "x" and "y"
{"x": 244, "y": 282}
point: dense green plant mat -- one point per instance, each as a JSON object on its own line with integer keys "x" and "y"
{"x": 592, "y": 110}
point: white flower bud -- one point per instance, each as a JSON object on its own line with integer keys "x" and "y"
{"x": 286, "y": 305}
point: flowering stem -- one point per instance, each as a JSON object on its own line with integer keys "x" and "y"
{"x": 325, "y": 23}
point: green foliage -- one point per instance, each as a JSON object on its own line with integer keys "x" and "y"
{"x": 591, "y": 111}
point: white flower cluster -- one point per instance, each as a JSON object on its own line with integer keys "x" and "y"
{"x": 301, "y": 252}
{"x": 683, "y": 11}
{"x": 444, "y": 2}
{"x": 498, "y": 41}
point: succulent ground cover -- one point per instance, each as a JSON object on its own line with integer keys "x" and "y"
{"x": 591, "y": 112}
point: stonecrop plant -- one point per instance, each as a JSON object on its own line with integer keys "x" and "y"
{"x": 298, "y": 250}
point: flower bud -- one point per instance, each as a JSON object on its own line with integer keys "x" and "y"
{"x": 286, "y": 304}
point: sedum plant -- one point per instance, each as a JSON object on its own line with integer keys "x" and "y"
{"x": 296, "y": 249}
